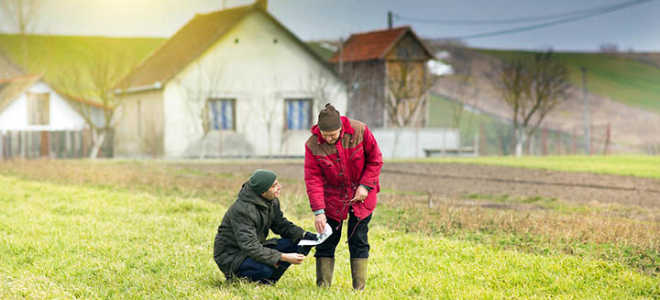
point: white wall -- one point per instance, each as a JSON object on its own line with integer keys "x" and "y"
{"x": 411, "y": 142}
{"x": 62, "y": 115}
{"x": 139, "y": 127}
{"x": 259, "y": 74}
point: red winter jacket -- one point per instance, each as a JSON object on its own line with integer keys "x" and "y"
{"x": 334, "y": 172}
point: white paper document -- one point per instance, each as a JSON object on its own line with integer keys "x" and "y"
{"x": 320, "y": 237}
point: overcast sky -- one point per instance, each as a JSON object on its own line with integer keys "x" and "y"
{"x": 636, "y": 27}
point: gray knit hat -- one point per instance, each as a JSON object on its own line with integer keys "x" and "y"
{"x": 261, "y": 180}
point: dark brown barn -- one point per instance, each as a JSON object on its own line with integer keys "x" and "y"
{"x": 373, "y": 65}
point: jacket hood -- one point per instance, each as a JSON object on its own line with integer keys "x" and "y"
{"x": 248, "y": 195}
{"x": 345, "y": 128}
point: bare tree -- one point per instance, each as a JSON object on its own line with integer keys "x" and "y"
{"x": 264, "y": 109}
{"x": 532, "y": 87}
{"x": 89, "y": 86}
{"x": 200, "y": 87}
{"x": 322, "y": 89}
{"x": 466, "y": 89}
{"x": 408, "y": 85}
{"x": 23, "y": 13}
{"x": 319, "y": 87}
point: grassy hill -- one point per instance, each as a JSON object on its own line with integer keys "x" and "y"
{"x": 55, "y": 56}
{"x": 620, "y": 77}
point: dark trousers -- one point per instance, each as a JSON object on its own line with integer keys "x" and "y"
{"x": 358, "y": 242}
{"x": 263, "y": 273}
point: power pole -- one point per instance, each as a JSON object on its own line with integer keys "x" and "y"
{"x": 587, "y": 115}
{"x": 389, "y": 20}
{"x": 341, "y": 55}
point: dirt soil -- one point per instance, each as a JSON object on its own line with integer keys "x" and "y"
{"x": 456, "y": 181}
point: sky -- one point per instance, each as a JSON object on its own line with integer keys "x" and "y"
{"x": 636, "y": 27}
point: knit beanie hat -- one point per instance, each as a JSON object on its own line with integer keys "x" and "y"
{"x": 261, "y": 180}
{"x": 329, "y": 118}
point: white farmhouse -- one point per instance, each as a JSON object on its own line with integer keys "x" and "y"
{"x": 30, "y": 104}
{"x": 233, "y": 82}
{"x": 37, "y": 120}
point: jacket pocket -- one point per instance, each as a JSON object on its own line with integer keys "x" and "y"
{"x": 330, "y": 170}
{"x": 356, "y": 162}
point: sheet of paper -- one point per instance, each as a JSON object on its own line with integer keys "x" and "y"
{"x": 320, "y": 238}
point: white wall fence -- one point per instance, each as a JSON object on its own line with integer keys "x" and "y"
{"x": 393, "y": 143}
{"x": 421, "y": 142}
{"x": 49, "y": 144}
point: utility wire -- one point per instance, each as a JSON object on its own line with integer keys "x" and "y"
{"x": 574, "y": 13}
{"x": 551, "y": 23}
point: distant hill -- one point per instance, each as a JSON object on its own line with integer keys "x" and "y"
{"x": 623, "y": 89}
{"x": 54, "y": 55}
{"x": 633, "y": 79}
{"x": 323, "y": 49}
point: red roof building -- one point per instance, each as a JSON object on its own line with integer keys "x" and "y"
{"x": 372, "y": 63}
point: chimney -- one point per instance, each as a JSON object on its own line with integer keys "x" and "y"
{"x": 263, "y": 4}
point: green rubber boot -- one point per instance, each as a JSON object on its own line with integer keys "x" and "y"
{"x": 324, "y": 268}
{"x": 359, "y": 272}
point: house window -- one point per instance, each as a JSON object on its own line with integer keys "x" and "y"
{"x": 38, "y": 108}
{"x": 298, "y": 114}
{"x": 222, "y": 114}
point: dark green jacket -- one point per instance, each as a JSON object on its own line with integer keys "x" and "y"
{"x": 244, "y": 229}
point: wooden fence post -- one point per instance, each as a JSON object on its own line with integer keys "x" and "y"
{"x": 45, "y": 144}
{"x": 544, "y": 141}
{"x": 574, "y": 142}
{"x": 607, "y": 139}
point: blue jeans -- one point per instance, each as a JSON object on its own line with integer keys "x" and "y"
{"x": 263, "y": 273}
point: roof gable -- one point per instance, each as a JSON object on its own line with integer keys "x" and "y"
{"x": 374, "y": 44}
{"x": 191, "y": 41}
{"x": 408, "y": 48}
{"x": 14, "y": 87}
{"x": 184, "y": 46}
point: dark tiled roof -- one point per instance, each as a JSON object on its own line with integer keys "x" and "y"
{"x": 186, "y": 45}
{"x": 372, "y": 45}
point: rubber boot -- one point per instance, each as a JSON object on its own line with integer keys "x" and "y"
{"x": 324, "y": 268}
{"x": 359, "y": 272}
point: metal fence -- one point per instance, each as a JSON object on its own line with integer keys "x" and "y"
{"x": 50, "y": 144}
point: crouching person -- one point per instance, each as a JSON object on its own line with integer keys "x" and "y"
{"x": 241, "y": 249}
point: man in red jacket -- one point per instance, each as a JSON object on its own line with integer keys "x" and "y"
{"x": 342, "y": 165}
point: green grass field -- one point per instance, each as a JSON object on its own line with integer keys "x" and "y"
{"x": 640, "y": 166}
{"x": 619, "y": 78}
{"x": 81, "y": 230}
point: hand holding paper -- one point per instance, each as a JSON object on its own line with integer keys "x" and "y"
{"x": 320, "y": 238}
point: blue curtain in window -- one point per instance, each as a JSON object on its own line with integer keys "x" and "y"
{"x": 298, "y": 114}
{"x": 221, "y": 114}
{"x": 227, "y": 115}
{"x": 290, "y": 113}
{"x": 214, "y": 114}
